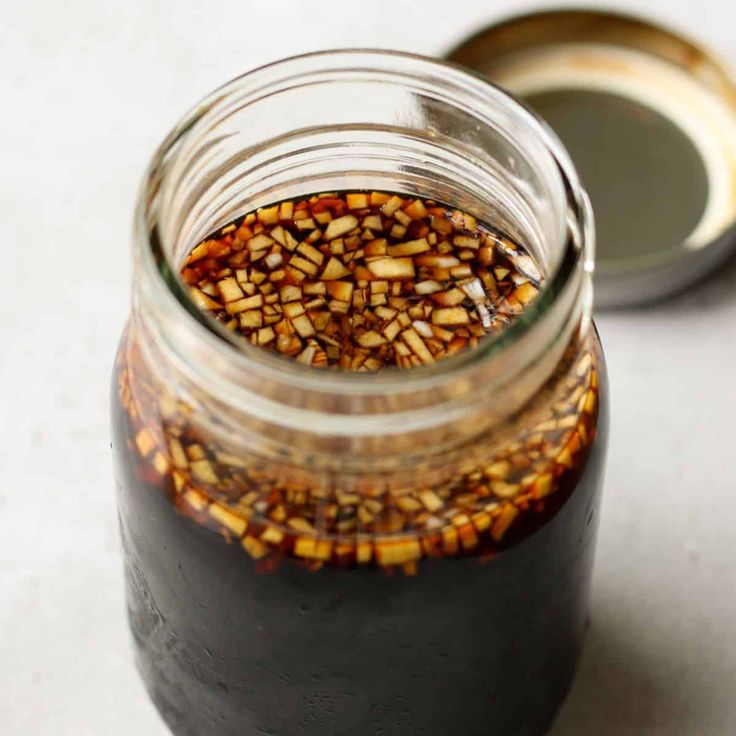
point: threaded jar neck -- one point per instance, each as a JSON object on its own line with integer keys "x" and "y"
{"x": 359, "y": 120}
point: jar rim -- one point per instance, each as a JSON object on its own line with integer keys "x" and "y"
{"x": 164, "y": 281}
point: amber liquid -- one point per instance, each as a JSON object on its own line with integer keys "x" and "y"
{"x": 445, "y": 609}
{"x": 473, "y": 646}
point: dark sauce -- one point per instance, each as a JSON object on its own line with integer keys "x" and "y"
{"x": 238, "y": 632}
{"x": 463, "y": 647}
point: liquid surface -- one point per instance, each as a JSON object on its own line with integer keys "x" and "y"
{"x": 645, "y": 177}
{"x": 362, "y": 280}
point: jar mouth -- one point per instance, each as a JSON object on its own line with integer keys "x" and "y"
{"x": 159, "y": 270}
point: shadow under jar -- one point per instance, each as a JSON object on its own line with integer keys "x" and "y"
{"x": 457, "y": 600}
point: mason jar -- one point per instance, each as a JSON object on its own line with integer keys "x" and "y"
{"x": 453, "y": 596}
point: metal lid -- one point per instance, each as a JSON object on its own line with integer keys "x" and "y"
{"x": 649, "y": 119}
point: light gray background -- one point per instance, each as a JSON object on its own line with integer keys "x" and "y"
{"x": 87, "y": 90}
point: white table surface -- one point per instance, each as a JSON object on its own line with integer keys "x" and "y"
{"x": 87, "y": 90}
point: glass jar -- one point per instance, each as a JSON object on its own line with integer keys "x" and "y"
{"x": 465, "y": 493}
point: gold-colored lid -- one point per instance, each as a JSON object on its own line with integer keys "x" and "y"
{"x": 649, "y": 119}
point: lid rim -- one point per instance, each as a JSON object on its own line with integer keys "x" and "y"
{"x": 641, "y": 278}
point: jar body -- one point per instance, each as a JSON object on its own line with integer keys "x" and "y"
{"x": 235, "y": 643}
{"x": 340, "y": 553}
